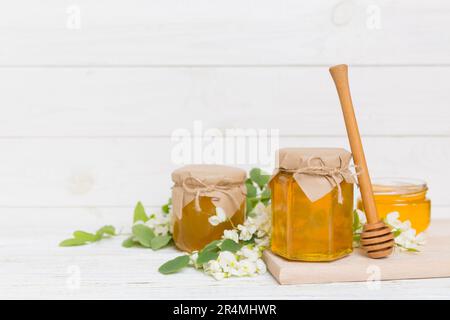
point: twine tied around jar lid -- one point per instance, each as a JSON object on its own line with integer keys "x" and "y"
{"x": 317, "y": 171}
{"x": 203, "y": 189}
{"x": 334, "y": 175}
{"x": 224, "y": 185}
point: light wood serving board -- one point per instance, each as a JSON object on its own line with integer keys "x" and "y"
{"x": 433, "y": 261}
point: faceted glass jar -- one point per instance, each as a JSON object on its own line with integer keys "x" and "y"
{"x": 408, "y": 197}
{"x": 310, "y": 231}
{"x": 193, "y": 231}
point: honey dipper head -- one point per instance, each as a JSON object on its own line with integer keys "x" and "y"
{"x": 377, "y": 240}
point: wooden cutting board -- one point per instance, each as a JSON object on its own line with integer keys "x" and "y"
{"x": 433, "y": 261}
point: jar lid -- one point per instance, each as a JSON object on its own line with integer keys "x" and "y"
{"x": 392, "y": 186}
{"x": 317, "y": 171}
{"x": 297, "y": 158}
{"x": 223, "y": 184}
{"x": 210, "y": 174}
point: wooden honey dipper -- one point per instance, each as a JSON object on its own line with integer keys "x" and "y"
{"x": 376, "y": 238}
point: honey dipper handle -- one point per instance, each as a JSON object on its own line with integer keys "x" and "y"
{"x": 339, "y": 74}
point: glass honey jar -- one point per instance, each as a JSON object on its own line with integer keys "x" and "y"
{"x": 201, "y": 192}
{"x": 312, "y": 204}
{"x": 408, "y": 197}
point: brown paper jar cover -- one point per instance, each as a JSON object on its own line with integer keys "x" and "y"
{"x": 317, "y": 171}
{"x": 223, "y": 184}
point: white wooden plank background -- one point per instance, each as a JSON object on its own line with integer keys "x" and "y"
{"x": 214, "y": 32}
{"x": 143, "y": 101}
{"x": 86, "y": 116}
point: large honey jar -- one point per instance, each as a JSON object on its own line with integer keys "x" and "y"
{"x": 312, "y": 204}
{"x": 201, "y": 192}
{"x": 408, "y": 197}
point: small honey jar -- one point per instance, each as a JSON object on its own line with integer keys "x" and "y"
{"x": 203, "y": 191}
{"x": 408, "y": 197}
{"x": 312, "y": 204}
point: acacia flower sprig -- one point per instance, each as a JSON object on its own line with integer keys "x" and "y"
{"x": 237, "y": 254}
{"x": 406, "y": 238}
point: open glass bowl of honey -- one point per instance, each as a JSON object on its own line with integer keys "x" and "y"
{"x": 408, "y": 197}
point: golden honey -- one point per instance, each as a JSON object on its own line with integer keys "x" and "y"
{"x": 306, "y": 230}
{"x": 200, "y": 192}
{"x": 193, "y": 231}
{"x": 406, "y": 196}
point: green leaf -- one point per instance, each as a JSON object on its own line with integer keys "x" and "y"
{"x": 109, "y": 230}
{"x": 205, "y": 256}
{"x": 129, "y": 242}
{"x": 397, "y": 233}
{"x": 251, "y": 189}
{"x": 356, "y": 222}
{"x": 165, "y": 208}
{"x": 139, "y": 213}
{"x": 174, "y": 265}
{"x": 230, "y": 245}
{"x": 247, "y": 242}
{"x": 143, "y": 234}
{"x": 160, "y": 241}
{"x": 259, "y": 177}
{"x": 266, "y": 195}
{"x": 407, "y": 249}
{"x": 249, "y": 205}
{"x": 84, "y": 236}
{"x": 213, "y": 245}
{"x": 72, "y": 243}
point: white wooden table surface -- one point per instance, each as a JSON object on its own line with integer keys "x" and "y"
{"x": 33, "y": 266}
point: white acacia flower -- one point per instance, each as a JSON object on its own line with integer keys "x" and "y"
{"x": 361, "y": 216}
{"x": 212, "y": 266}
{"x": 244, "y": 233}
{"x": 393, "y": 221}
{"x": 421, "y": 239}
{"x": 263, "y": 242}
{"x": 227, "y": 261}
{"x": 218, "y": 218}
{"x": 260, "y": 210}
{"x": 260, "y": 233}
{"x": 159, "y": 223}
{"x": 231, "y": 234}
{"x": 260, "y": 266}
{"x": 407, "y": 238}
{"x": 193, "y": 258}
{"x": 252, "y": 254}
{"x": 252, "y": 224}
{"x": 247, "y": 267}
{"x": 161, "y": 230}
